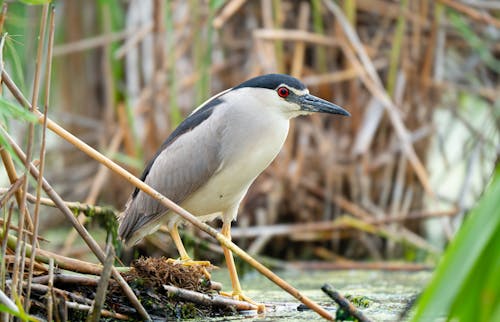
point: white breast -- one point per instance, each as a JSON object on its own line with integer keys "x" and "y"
{"x": 249, "y": 142}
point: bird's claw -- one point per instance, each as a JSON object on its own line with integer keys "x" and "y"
{"x": 189, "y": 262}
{"x": 242, "y": 297}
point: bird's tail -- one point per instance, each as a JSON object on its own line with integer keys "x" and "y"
{"x": 134, "y": 225}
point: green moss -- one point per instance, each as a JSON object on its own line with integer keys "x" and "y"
{"x": 359, "y": 301}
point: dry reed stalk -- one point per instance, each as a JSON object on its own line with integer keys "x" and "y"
{"x": 61, "y": 278}
{"x": 12, "y": 190}
{"x": 227, "y": 12}
{"x": 208, "y": 300}
{"x": 17, "y": 276}
{"x": 102, "y": 286}
{"x": 73, "y": 205}
{"x": 3, "y": 14}
{"x": 12, "y": 174}
{"x": 299, "y": 50}
{"x": 341, "y": 75}
{"x": 63, "y": 262}
{"x": 337, "y": 224}
{"x": 3, "y": 267}
{"x": 104, "y": 313}
{"x": 48, "y": 73}
{"x": 132, "y": 41}
{"x": 93, "y": 42}
{"x": 294, "y": 35}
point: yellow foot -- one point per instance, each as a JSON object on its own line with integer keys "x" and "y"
{"x": 190, "y": 262}
{"x": 261, "y": 308}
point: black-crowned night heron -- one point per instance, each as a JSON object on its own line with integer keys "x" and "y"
{"x": 210, "y": 160}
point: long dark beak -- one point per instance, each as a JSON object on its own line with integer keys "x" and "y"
{"x": 312, "y": 103}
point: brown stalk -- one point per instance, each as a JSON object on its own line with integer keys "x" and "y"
{"x": 50, "y": 289}
{"x": 17, "y": 280}
{"x": 3, "y": 268}
{"x": 208, "y": 300}
{"x": 299, "y": 50}
{"x": 102, "y": 286}
{"x": 105, "y": 313}
{"x": 295, "y": 35}
{"x": 133, "y": 41}
{"x": 92, "y": 42}
{"x": 227, "y": 12}
{"x": 73, "y": 205}
{"x": 12, "y": 190}
{"x": 325, "y": 226}
{"x": 36, "y": 212}
{"x": 12, "y": 174}
{"x": 162, "y": 199}
{"x": 341, "y": 75}
{"x": 44, "y": 256}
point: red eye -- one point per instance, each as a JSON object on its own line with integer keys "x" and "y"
{"x": 283, "y": 92}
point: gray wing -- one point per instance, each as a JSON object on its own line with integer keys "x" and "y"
{"x": 187, "y": 160}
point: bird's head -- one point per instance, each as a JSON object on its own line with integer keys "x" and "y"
{"x": 287, "y": 94}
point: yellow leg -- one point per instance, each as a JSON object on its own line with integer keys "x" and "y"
{"x": 185, "y": 259}
{"x": 174, "y": 233}
{"x": 233, "y": 274}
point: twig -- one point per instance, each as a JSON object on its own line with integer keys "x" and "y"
{"x": 227, "y": 12}
{"x": 3, "y": 267}
{"x": 92, "y": 42}
{"x": 225, "y": 242}
{"x": 73, "y": 205}
{"x": 105, "y": 313}
{"x": 12, "y": 190}
{"x": 63, "y": 262}
{"x": 42, "y": 149}
{"x": 81, "y": 280}
{"x": 289, "y": 229}
{"x": 50, "y": 289}
{"x": 17, "y": 284}
{"x": 100, "y": 295}
{"x": 208, "y": 300}
{"x": 12, "y": 174}
{"x": 132, "y": 41}
{"x": 344, "y": 303}
{"x": 295, "y": 35}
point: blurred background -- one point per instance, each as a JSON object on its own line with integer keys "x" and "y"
{"x": 393, "y": 182}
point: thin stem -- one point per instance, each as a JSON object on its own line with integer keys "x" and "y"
{"x": 36, "y": 211}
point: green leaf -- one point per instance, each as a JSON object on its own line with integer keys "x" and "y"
{"x": 13, "y": 110}
{"x": 465, "y": 285}
{"x": 35, "y": 2}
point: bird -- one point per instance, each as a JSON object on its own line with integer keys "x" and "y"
{"x": 209, "y": 161}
